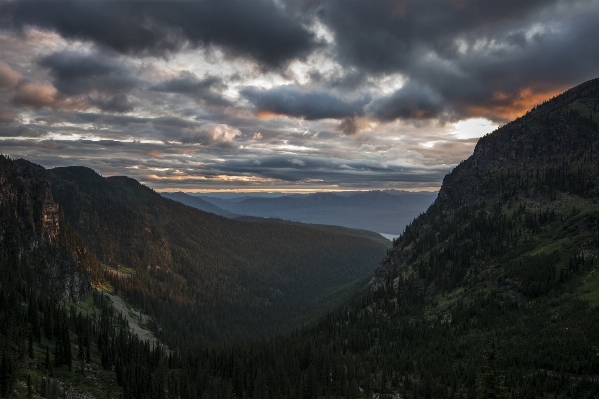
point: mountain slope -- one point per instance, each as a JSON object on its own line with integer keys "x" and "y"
{"x": 206, "y": 276}
{"x": 323, "y": 227}
{"x": 34, "y": 233}
{"x": 495, "y": 286}
{"x": 517, "y": 179}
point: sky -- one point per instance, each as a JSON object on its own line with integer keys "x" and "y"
{"x": 293, "y": 96}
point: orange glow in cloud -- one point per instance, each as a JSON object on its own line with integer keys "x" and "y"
{"x": 266, "y": 114}
{"x": 8, "y": 76}
{"x": 39, "y": 95}
{"x": 419, "y": 113}
{"x": 459, "y": 4}
{"x": 509, "y": 106}
{"x": 399, "y": 11}
{"x": 7, "y": 115}
{"x": 36, "y": 95}
{"x": 220, "y": 178}
{"x": 154, "y": 154}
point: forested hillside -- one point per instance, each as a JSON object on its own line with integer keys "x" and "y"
{"x": 205, "y": 276}
{"x": 493, "y": 292}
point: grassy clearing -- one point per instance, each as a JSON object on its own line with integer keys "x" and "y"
{"x": 103, "y": 287}
{"x": 589, "y": 287}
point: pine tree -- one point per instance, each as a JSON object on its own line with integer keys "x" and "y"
{"x": 30, "y": 347}
{"x": 47, "y": 362}
{"x": 491, "y": 381}
{"x": 29, "y": 387}
{"x": 3, "y": 375}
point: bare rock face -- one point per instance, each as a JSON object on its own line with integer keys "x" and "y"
{"x": 50, "y": 216}
{"x": 34, "y": 233}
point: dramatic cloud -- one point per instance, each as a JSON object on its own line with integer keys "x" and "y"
{"x": 291, "y": 101}
{"x": 118, "y": 103}
{"x": 386, "y": 35}
{"x": 76, "y": 73}
{"x": 280, "y": 94}
{"x": 501, "y": 55}
{"x": 259, "y": 29}
{"x": 8, "y": 77}
{"x": 209, "y": 134}
{"x": 207, "y": 90}
{"x": 410, "y": 102}
{"x": 40, "y": 95}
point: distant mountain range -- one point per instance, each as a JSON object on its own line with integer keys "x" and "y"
{"x": 199, "y": 203}
{"x": 378, "y": 211}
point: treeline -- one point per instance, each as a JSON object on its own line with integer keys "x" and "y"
{"x": 46, "y": 342}
{"x": 382, "y": 350}
{"x": 382, "y": 343}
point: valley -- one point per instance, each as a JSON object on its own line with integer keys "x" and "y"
{"x": 493, "y": 289}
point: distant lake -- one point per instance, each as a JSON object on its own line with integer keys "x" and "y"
{"x": 390, "y": 236}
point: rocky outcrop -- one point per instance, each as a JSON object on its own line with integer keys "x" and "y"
{"x": 50, "y": 216}
{"x": 34, "y": 233}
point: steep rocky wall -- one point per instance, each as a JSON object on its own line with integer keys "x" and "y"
{"x": 33, "y": 233}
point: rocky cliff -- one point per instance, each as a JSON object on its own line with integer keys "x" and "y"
{"x": 34, "y": 233}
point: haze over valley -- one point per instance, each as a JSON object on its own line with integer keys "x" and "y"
{"x": 385, "y": 212}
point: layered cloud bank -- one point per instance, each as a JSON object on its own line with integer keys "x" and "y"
{"x": 204, "y": 95}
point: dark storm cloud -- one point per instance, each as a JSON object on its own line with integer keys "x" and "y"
{"x": 348, "y": 126}
{"x": 383, "y": 36}
{"x": 482, "y": 58}
{"x": 458, "y": 59}
{"x": 19, "y": 131}
{"x": 118, "y": 103}
{"x": 207, "y": 90}
{"x": 77, "y": 73}
{"x": 290, "y": 101}
{"x": 412, "y": 101}
{"x": 256, "y": 29}
{"x": 504, "y": 84}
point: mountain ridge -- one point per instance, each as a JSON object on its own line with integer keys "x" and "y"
{"x": 165, "y": 256}
{"x": 508, "y": 166}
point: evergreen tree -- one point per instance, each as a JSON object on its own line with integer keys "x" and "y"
{"x": 491, "y": 381}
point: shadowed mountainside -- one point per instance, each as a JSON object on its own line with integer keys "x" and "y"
{"x": 202, "y": 274}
